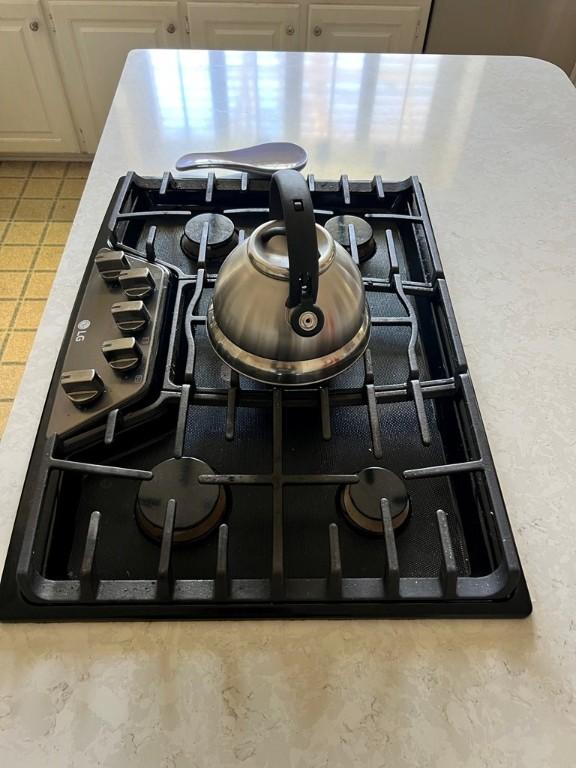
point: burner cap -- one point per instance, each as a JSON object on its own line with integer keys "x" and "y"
{"x": 361, "y": 501}
{"x": 199, "y": 507}
{"x": 222, "y": 237}
{"x": 338, "y": 228}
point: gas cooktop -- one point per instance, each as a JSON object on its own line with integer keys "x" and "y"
{"x": 164, "y": 485}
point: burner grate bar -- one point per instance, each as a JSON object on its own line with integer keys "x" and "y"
{"x": 231, "y": 404}
{"x": 277, "y": 499}
{"x": 445, "y": 469}
{"x": 353, "y": 244}
{"x": 165, "y": 183}
{"x": 391, "y": 567}
{"x": 100, "y": 469}
{"x": 190, "y": 318}
{"x": 335, "y": 575}
{"x": 325, "y": 414}
{"x": 423, "y": 424}
{"x": 449, "y": 573}
{"x": 378, "y": 186}
{"x": 150, "y": 240}
{"x": 113, "y": 421}
{"x": 372, "y": 405}
{"x": 209, "y": 187}
{"x": 345, "y": 188}
{"x": 88, "y": 579}
{"x": 181, "y": 422}
{"x": 222, "y": 580}
{"x": 165, "y": 578}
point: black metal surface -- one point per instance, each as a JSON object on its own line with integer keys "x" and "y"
{"x": 282, "y": 457}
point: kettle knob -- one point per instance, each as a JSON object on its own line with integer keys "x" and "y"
{"x": 291, "y": 202}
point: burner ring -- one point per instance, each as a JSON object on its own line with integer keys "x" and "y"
{"x": 360, "y": 501}
{"x": 199, "y": 506}
{"x": 222, "y": 236}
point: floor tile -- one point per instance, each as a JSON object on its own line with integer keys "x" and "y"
{"x": 29, "y": 314}
{"x": 49, "y": 257}
{"x": 3, "y": 228}
{"x": 15, "y": 168}
{"x": 39, "y": 285}
{"x": 11, "y": 187}
{"x": 78, "y": 170}
{"x": 11, "y": 284}
{"x": 33, "y": 210}
{"x": 56, "y": 233}
{"x": 64, "y": 210}
{"x": 24, "y": 233}
{"x": 72, "y": 188}
{"x": 16, "y": 257}
{"x": 46, "y": 188}
{"x": 10, "y": 376}
{"x": 49, "y": 170}
{"x": 7, "y": 205}
{"x": 7, "y": 309}
{"x": 5, "y": 409}
{"x": 18, "y": 346}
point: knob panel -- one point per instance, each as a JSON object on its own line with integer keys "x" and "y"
{"x": 94, "y": 323}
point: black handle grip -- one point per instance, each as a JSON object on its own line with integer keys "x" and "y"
{"x": 291, "y": 202}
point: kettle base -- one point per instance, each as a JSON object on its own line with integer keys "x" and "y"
{"x": 287, "y": 373}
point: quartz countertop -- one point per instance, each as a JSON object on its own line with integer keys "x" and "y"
{"x": 493, "y": 142}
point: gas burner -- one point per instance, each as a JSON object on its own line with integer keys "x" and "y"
{"x": 361, "y": 501}
{"x": 199, "y": 507}
{"x": 339, "y": 228}
{"x": 222, "y": 237}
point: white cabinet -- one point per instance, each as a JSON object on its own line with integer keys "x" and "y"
{"x": 245, "y": 26}
{"x": 93, "y": 40}
{"x": 34, "y": 115}
{"x": 394, "y": 28}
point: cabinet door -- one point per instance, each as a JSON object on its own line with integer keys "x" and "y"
{"x": 34, "y": 115}
{"x": 93, "y": 40}
{"x": 244, "y": 26}
{"x": 397, "y": 28}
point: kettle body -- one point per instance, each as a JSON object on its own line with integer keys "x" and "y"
{"x": 289, "y": 306}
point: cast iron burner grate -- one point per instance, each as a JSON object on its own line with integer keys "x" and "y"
{"x": 282, "y": 461}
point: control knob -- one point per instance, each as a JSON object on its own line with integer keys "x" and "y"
{"x": 82, "y": 387}
{"x": 110, "y": 264}
{"x": 122, "y": 354}
{"x": 130, "y": 316}
{"x": 137, "y": 283}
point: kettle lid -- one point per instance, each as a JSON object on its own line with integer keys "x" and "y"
{"x": 268, "y": 249}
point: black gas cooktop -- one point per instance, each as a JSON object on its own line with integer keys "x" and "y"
{"x": 163, "y": 485}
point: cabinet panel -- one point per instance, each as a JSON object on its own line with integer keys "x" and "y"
{"x": 34, "y": 114}
{"x": 93, "y": 40}
{"x": 244, "y": 26}
{"x": 368, "y": 28}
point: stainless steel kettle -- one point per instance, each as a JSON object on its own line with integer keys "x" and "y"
{"x": 289, "y": 305}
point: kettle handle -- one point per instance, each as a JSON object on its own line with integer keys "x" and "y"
{"x": 290, "y": 201}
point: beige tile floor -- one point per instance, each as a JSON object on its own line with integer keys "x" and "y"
{"x": 38, "y": 201}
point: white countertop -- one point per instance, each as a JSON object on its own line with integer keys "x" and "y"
{"x": 493, "y": 141}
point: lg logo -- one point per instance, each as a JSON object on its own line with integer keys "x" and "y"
{"x": 82, "y": 327}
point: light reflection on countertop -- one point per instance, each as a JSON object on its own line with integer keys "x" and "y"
{"x": 216, "y": 95}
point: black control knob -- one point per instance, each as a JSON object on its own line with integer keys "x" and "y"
{"x": 122, "y": 354}
{"x": 110, "y": 264}
{"x": 130, "y": 316}
{"x": 82, "y": 387}
{"x": 137, "y": 283}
